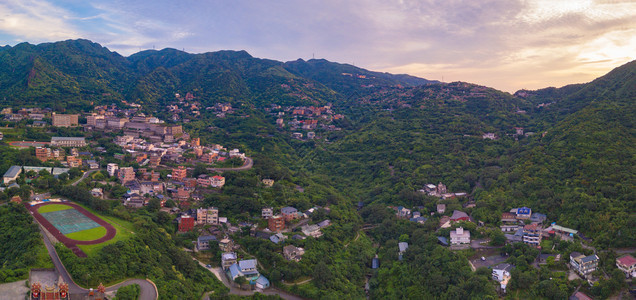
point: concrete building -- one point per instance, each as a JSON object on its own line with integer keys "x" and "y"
{"x": 584, "y": 265}
{"x": 11, "y": 174}
{"x": 68, "y": 141}
{"x": 276, "y": 223}
{"x": 460, "y": 236}
{"x": 267, "y": 213}
{"x": 60, "y": 120}
{"x": 217, "y": 181}
{"x": 627, "y": 264}
{"x": 126, "y": 174}
{"x": 186, "y": 223}
{"x": 112, "y": 168}
{"x": 179, "y": 173}
{"x": 532, "y": 235}
{"x": 208, "y": 215}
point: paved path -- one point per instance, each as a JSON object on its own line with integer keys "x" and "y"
{"x": 246, "y": 166}
{"x": 13, "y": 290}
{"x": 84, "y": 176}
{"x": 148, "y": 290}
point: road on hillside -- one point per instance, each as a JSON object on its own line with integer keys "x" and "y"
{"x": 148, "y": 290}
{"x": 86, "y": 174}
{"x": 246, "y": 166}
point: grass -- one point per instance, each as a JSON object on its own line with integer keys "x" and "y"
{"x": 124, "y": 229}
{"x": 53, "y": 207}
{"x": 88, "y": 234}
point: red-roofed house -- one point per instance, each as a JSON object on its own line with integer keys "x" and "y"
{"x": 217, "y": 181}
{"x": 459, "y": 216}
{"x": 627, "y": 264}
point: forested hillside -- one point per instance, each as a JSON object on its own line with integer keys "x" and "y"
{"x": 567, "y": 152}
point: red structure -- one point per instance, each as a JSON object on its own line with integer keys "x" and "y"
{"x": 186, "y": 223}
{"x": 276, "y": 223}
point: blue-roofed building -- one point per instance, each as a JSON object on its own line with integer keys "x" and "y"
{"x": 12, "y": 174}
{"x": 524, "y": 213}
{"x": 233, "y": 272}
{"x": 324, "y": 223}
{"x": 261, "y": 282}
{"x": 277, "y": 238}
{"x": 375, "y": 263}
{"x": 248, "y": 267}
{"x": 289, "y": 213}
{"x": 442, "y": 240}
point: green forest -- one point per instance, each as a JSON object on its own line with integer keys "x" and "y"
{"x": 566, "y": 152}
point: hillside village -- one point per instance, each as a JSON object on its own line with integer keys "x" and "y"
{"x": 160, "y": 164}
{"x": 155, "y": 162}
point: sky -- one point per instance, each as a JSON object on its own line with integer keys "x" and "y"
{"x": 505, "y": 44}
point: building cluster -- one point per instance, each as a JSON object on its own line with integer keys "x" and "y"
{"x": 305, "y": 118}
{"x": 11, "y": 175}
{"x": 148, "y": 127}
{"x": 144, "y": 183}
{"x": 247, "y": 268}
{"x": 35, "y": 114}
{"x": 440, "y": 191}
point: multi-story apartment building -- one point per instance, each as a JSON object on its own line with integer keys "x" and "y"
{"x": 532, "y": 234}
{"x": 60, "y": 120}
{"x": 584, "y": 265}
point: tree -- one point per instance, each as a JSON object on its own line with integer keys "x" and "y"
{"x": 129, "y": 292}
{"x": 322, "y": 275}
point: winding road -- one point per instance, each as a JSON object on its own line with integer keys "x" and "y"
{"x": 148, "y": 289}
{"x": 246, "y": 166}
{"x": 89, "y": 172}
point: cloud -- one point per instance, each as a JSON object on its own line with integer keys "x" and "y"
{"x": 507, "y": 44}
{"x": 34, "y": 20}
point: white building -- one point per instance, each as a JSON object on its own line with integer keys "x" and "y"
{"x": 112, "y": 169}
{"x": 460, "y": 236}
{"x": 501, "y": 273}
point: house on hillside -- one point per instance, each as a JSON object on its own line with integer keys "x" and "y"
{"x": 403, "y": 212}
{"x": 584, "y": 265}
{"x": 228, "y": 259}
{"x": 501, "y": 273}
{"x": 441, "y": 208}
{"x": 459, "y": 216}
{"x": 509, "y": 222}
{"x": 445, "y": 222}
{"x": 532, "y": 234}
{"x": 277, "y": 238}
{"x": 292, "y": 252}
{"x": 402, "y": 247}
{"x": 524, "y": 213}
{"x": 460, "y": 236}
{"x": 289, "y": 213}
{"x": 627, "y": 264}
{"x": 203, "y": 242}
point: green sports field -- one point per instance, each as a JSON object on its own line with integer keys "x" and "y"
{"x": 53, "y": 207}
{"x": 88, "y": 234}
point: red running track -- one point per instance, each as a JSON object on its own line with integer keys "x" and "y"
{"x": 71, "y": 243}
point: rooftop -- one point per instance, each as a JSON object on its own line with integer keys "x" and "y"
{"x": 63, "y": 138}
{"x": 627, "y": 260}
{"x": 13, "y": 171}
